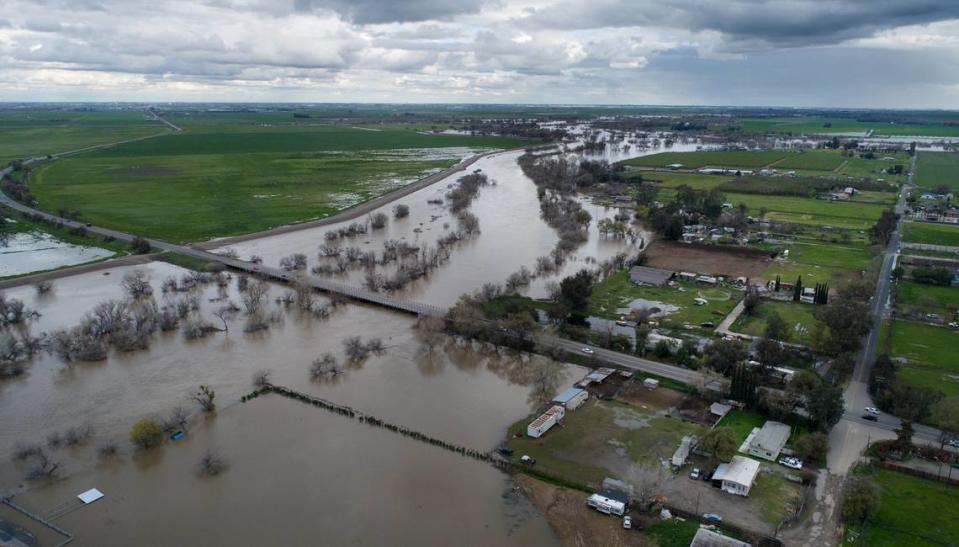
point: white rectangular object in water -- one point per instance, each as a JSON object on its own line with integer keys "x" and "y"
{"x": 90, "y": 495}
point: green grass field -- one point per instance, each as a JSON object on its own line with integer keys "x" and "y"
{"x": 843, "y": 125}
{"x": 798, "y": 317}
{"x": 36, "y": 132}
{"x": 695, "y": 160}
{"x": 857, "y": 216}
{"x": 812, "y": 160}
{"x": 928, "y": 297}
{"x": 938, "y": 168}
{"x": 617, "y": 291}
{"x": 913, "y": 511}
{"x": 190, "y": 187}
{"x": 932, "y": 234}
{"x": 673, "y": 180}
{"x": 819, "y": 262}
{"x": 873, "y": 169}
{"x": 930, "y": 354}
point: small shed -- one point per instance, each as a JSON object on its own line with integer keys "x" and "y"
{"x": 719, "y": 409}
{"x": 571, "y": 398}
{"x": 545, "y": 421}
{"x": 651, "y": 383}
{"x": 687, "y": 276}
{"x": 643, "y": 275}
{"x": 737, "y": 476}
{"x": 707, "y": 279}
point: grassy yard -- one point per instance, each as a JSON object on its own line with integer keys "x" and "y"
{"x": 197, "y": 186}
{"x": 930, "y": 354}
{"x": 617, "y": 291}
{"x": 673, "y": 179}
{"x": 673, "y": 532}
{"x": 935, "y": 168}
{"x": 799, "y": 319}
{"x": 931, "y": 234}
{"x": 913, "y": 511}
{"x": 819, "y": 262}
{"x": 35, "y": 132}
{"x": 594, "y": 437}
{"x": 928, "y": 297}
{"x": 857, "y": 216}
{"x": 742, "y": 423}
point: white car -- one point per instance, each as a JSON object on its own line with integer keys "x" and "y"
{"x": 587, "y": 351}
{"x": 627, "y": 522}
{"x": 872, "y": 410}
{"x": 792, "y": 463}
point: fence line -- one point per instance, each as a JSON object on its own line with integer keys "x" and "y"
{"x": 67, "y": 535}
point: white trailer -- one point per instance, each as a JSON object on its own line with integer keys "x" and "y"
{"x": 606, "y": 505}
{"x": 548, "y": 419}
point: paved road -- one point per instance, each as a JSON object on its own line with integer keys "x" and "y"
{"x": 631, "y": 362}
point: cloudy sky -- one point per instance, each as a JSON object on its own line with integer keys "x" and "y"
{"x": 849, "y": 53}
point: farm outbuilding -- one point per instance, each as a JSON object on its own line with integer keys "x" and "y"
{"x": 643, "y": 275}
{"x": 708, "y": 538}
{"x": 571, "y": 398}
{"x": 545, "y": 421}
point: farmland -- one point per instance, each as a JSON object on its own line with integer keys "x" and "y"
{"x": 196, "y": 186}
{"x": 799, "y": 320}
{"x": 938, "y": 168}
{"x": 931, "y": 234}
{"x": 912, "y": 511}
{"x": 617, "y": 291}
{"x": 927, "y": 297}
{"x": 694, "y": 160}
{"x": 815, "y": 160}
{"x": 29, "y": 132}
{"x": 857, "y": 216}
{"x": 844, "y": 125}
{"x": 929, "y": 355}
{"x": 819, "y": 261}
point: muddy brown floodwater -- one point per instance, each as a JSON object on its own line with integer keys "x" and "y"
{"x": 296, "y": 473}
{"x": 512, "y": 235}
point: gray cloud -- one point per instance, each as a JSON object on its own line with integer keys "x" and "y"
{"x": 390, "y": 11}
{"x": 752, "y": 23}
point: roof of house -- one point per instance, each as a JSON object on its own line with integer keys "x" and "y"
{"x": 542, "y": 419}
{"x": 739, "y": 470}
{"x": 772, "y": 436}
{"x": 616, "y": 495}
{"x": 568, "y": 395}
{"x": 651, "y": 276}
{"x": 707, "y": 538}
{"x": 720, "y": 409}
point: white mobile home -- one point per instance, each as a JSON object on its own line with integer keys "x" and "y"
{"x": 737, "y": 476}
{"x": 548, "y": 419}
{"x": 572, "y": 398}
{"x": 603, "y": 503}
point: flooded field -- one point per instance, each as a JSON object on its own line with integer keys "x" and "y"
{"x": 329, "y": 479}
{"x": 512, "y": 234}
{"x": 459, "y": 393}
{"x": 33, "y": 252}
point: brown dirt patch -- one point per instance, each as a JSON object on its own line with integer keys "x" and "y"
{"x": 635, "y": 393}
{"x": 575, "y": 523}
{"x": 708, "y": 259}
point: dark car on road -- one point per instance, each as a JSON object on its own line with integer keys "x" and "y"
{"x": 870, "y": 417}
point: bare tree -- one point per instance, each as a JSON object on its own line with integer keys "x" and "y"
{"x": 43, "y": 287}
{"x": 176, "y": 420}
{"x": 261, "y": 378}
{"x": 204, "y": 396}
{"x": 137, "y": 283}
{"x": 354, "y": 348}
{"x": 77, "y": 435}
{"x": 647, "y": 483}
{"x": 401, "y": 211}
{"x": 378, "y": 221}
{"x": 429, "y": 330}
{"x": 324, "y": 366}
{"x": 43, "y": 466}
{"x": 107, "y": 450}
{"x": 255, "y": 293}
{"x": 212, "y": 463}
{"x": 223, "y": 313}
